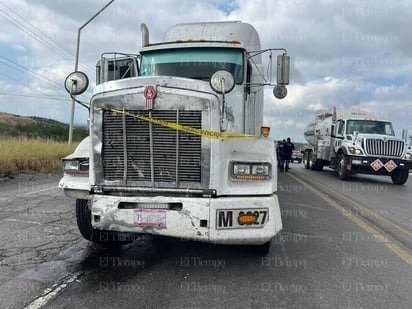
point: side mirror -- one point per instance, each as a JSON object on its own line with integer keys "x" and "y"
{"x": 76, "y": 83}
{"x": 355, "y": 133}
{"x": 222, "y": 82}
{"x": 283, "y": 70}
{"x": 280, "y": 92}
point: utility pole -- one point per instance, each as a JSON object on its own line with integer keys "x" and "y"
{"x": 76, "y": 65}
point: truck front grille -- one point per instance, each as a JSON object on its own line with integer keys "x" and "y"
{"x": 388, "y": 148}
{"x": 154, "y": 154}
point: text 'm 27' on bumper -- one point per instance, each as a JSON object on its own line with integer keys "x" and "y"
{"x": 225, "y": 220}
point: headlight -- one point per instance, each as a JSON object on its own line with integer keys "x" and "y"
{"x": 354, "y": 150}
{"x": 76, "y": 166}
{"x": 250, "y": 170}
{"x": 408, "y": 156}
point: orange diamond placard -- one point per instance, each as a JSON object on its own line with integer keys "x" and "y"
{"x": 377, "y": 165}
{"x": 390, "y": 166}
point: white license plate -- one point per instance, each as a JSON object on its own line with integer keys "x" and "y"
{"x": 155, "y": 218}
{"x": 231, "y": 218}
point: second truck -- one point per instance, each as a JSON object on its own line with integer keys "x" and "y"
{"x": 355, "y": 141}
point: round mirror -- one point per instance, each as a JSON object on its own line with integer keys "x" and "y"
{"x": 280, "y": 91}
{"x": 76, "y": 83}
{"x": 222, "y": 81}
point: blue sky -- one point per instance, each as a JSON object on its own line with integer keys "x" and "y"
{"x": 344, "y": 53}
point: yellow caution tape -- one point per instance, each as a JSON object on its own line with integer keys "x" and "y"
{"x": 186, "y": 129}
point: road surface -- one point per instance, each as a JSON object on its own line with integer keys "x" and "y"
{"x": 344, "y": 245}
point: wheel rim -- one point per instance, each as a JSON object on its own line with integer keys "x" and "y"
{"x": 341, "y": 165}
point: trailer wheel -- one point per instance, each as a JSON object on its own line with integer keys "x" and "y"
{"x": 400, "y": 176}
{"x": 342, "y": 169}
{"x": 306, "y": 160}
{"x": 84, "y": 223}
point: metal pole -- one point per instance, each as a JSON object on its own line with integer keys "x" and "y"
{"x": 76, "y": 65}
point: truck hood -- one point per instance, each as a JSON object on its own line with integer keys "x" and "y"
{"x": 362, "y": 136}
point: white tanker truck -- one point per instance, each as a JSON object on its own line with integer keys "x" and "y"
{"x": 355, "y": 141}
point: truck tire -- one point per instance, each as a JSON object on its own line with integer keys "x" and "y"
{"x": 306, "y": 156}
{"x": 400, "y": 176}
{"x": 341, "y": 167}
{"x": 84, "y": 223}
{"x": 317, "y": 166}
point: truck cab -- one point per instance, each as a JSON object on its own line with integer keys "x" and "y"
{"x": 176, "y": 144}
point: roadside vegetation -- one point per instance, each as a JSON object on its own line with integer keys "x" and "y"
{"x": 33, "y": 144}
{"x": 42, "y": 156}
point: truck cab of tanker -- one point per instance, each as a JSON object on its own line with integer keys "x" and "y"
{"x": 176, "y": 146}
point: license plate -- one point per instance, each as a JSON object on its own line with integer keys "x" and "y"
{"x": 155, "y": 218}
{"x": 235, "y": 218}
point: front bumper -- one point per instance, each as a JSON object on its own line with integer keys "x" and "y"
{"x": 189, "y": 221}
{"x": 362, "y": 165}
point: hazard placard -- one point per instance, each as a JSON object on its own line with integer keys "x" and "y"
{"x": 377, "y": 165}
{"x": 390, "y": 166}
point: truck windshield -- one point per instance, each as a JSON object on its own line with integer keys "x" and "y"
{"x": 370, "y": 127}
{"x": 197, "y": 63}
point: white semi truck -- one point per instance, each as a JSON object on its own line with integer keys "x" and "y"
{"x": 176, "y": 145}
{"x": 354, "y": 141}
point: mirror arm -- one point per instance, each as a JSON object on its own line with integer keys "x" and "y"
{"x": 77, "y": 101}
{"x": 80, "y": 103}
{"x": 222, "y": 119}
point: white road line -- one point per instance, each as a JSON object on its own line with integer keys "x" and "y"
{"x": 23, "y": 221}
{"x": 37, "y": 191}
{"x": 51, "y": 293}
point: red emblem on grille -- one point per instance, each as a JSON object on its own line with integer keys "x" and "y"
{"x": 150, "y": 94}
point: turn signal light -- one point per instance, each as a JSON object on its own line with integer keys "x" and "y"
{"x": 247, "y": 218}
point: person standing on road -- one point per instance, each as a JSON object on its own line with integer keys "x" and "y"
{"x": 289, "y": 147}
{"x": 281, "y": 154}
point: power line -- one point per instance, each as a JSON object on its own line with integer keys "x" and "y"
{"x": 39, "y": 30}
{"x": 34, "y": 35}
{"x": 26, "y": 85}
{"x": 34, "y": 96}
{"x": 31, "y": 72}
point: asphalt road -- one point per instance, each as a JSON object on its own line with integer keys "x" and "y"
{"x": 344, "y": 245}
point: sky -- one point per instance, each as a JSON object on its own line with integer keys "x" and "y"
{"x": 350, "y": 54}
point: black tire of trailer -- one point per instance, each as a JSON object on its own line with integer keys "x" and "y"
{"x": 306, "y": 156}
{"x": 400, "y": 176}
{"x": 314, "y": 165}
{"x": 106, "y": 238}
{"x": 341, "y": 168}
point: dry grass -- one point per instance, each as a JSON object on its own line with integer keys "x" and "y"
{"x": 32, "y": 155}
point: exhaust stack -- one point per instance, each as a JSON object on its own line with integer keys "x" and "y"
{"x": 145, "y": 34}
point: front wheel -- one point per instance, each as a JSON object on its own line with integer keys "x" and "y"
{"x": 84, "y": 222}
{"x": 342, "y": 168}
{"x": 399, "y": 177}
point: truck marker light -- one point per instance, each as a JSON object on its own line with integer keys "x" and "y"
{"x": 247, "y": 218}
{"x": 265, "y": 131}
